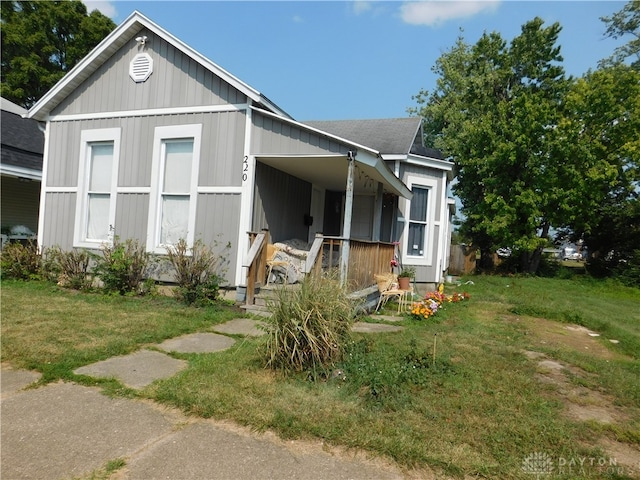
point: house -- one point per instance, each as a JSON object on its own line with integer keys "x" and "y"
{"x": 148, "y": 139}
{"x": 20, "y": 171}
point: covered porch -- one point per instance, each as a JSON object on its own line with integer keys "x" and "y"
{"x": 339, "y": 213}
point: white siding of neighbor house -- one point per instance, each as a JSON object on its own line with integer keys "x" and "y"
{"x": 20, "y": 200}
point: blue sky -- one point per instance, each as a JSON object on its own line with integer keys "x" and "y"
{"x": 336, "y": 60}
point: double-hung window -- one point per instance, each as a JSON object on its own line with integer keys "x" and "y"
{"x": 97, "y": 182}
{"x": 419, "y": 221}
{"x": 174, "y": 179}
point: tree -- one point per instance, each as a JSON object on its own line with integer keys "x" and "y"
{"x": 624, "y": 22}
{"x": 41, "y": 41}
{"x": 495, "y": 112}
{"x": 604, "y": 108}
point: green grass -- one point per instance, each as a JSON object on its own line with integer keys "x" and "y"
{"x": 477, "y": 411}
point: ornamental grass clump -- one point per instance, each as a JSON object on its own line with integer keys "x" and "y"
{"x": 309, "y": 326}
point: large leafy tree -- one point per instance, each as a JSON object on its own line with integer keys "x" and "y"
{"x": 624, "y": 23}
{"x": 41, "y": 41}
{"x": 604, "y": 117}
{"x": 495, "y": 111}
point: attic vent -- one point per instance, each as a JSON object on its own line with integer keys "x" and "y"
{"x": 140, "y": 67}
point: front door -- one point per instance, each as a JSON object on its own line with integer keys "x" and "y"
{"x": 332, "y": 225}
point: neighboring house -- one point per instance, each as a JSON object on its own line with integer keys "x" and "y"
{"x": 148, "y": 139}
{"x": 20, "y": 171}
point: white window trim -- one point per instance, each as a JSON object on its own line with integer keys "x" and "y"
{"x": 86, "y": 138}
{"x": 161, "y": 134}
{"x": 431, "y": 185}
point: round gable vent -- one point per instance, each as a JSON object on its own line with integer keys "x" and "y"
{"x": 140, "y": 67}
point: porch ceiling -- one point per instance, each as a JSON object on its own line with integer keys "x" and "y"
{"x": 330, "y": 172}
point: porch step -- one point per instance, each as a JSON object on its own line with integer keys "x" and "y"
{"x": 256, "y": 310}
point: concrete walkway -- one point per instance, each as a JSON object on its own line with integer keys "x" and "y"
{"x": 64, "y": 430}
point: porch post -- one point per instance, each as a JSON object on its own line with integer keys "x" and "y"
{"x": 348, "y": 207}
{"x": 377, "y": 213}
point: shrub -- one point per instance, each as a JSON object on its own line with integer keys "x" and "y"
{"x": 20, "y": 261}
{"x": 122, "y": 266}
{"x": 197, "y": 271}
{"x": 309, "y": 326}
{"x": 68, "y": 268}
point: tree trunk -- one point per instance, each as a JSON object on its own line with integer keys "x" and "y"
{"x": 486, "y": 261}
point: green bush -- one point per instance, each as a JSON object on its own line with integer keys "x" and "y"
{"x": 122, "y": 266}
{"x": 309, "y": 326}
{"x": 20, "y": 262}
{"x": 68, "y": 268}
{"x": 197, "y": 271}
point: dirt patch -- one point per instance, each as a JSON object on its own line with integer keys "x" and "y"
{"x": 584, "y": 404}
{"x": 625, "y": 457}
{"x": 553, "y": 334}
{"x": 581, "y": 403}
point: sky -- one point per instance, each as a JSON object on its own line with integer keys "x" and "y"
{"x": 335, "y": 60}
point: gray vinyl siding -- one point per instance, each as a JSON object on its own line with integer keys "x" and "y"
{"x": 222, "y": 151}
{"x": 59, "y": 217}
{"x": 19, "y": 204}
{"x": 220, "y": 156}
{"x": 272, "y": 136}
{"x": 217, "y": 224}
{"x": 280, "y": 203}
{"x": 132, "y": 212}
{"x": 177, "y": 80}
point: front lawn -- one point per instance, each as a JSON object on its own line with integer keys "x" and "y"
{"x": 485, "y": 406}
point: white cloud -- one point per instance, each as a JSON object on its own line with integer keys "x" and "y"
{"x": 105, "y": 7}
{"x": 437, "y": 12}
{"x": 298, "y": 19}
{"x": 361, "y": 6}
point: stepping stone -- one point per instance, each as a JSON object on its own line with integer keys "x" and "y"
{"x": 197, "y": 343}
{"x": 375, "y": 327}
{"x": 389, "y": 318}
{"x": 240, "y": 326}
{"x": 136, "y": 370}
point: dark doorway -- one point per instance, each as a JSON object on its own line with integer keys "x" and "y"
{"x": 332, "y": 213}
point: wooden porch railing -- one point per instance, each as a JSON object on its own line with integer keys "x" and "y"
{"x": 366, "y": 259}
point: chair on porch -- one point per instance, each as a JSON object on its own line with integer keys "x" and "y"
{"x": 274, "y": 261}
{"x": 388, "y": 289}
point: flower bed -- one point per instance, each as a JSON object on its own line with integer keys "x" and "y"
{"x": 434, "y": 301}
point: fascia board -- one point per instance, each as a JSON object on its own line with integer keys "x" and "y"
{"x": 430, "y": 162}
{"x": 116, "y": 39}
{"x": 21, "y": 172}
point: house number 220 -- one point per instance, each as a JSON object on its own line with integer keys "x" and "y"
{"x": 245, "y": 168}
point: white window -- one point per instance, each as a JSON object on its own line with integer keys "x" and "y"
{"x": 419, "y": 221}
{"x": 97, "y": 182}
{"x": 174, "y": 181}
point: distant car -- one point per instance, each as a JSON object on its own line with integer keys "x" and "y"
{"x": 571, "y": 254}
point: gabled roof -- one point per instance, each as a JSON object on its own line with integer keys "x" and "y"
{"x": 389, "y": 136}
{"x": 122, "y": 34}
{"x": 22, "y": 143}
